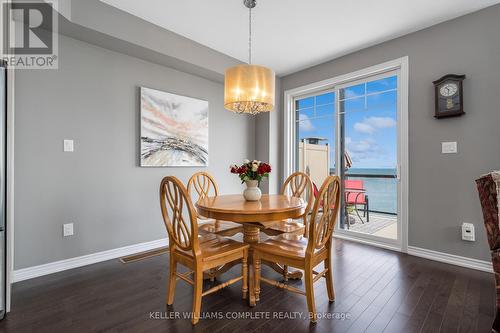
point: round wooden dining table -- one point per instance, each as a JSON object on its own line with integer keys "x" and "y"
{"x": 254, "y": 216}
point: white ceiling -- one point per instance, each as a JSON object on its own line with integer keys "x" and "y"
{"x": 289, "y": 35}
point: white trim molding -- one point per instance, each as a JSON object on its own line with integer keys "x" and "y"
{"x": 89, "y": 259}
{"x": 9, "y": 233}
{"x": 367, "y": 241}
{"x": 404, "y": 148}
{"x": 480, "y": 265}
{"x": 62, "y": 265}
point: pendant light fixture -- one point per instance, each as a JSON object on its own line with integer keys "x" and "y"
{"x": 249, "y": 88}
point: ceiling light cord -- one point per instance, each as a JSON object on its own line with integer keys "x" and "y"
{"x": 249, "y": 88}
{"x": 250, "y": 35}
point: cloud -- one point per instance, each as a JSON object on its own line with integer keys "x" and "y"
{"x": 381, "y": 122}
{"x": 362, "y": 149}
{"x": 305, "y": 123}
{"x": 371, "y": 124}
{"x": 350, "y": 94}
{"x": 364, "y": 128}
{"x": 362, "y": 146}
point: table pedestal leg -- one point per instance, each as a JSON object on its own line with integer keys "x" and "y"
{"x": 251, "y": 236}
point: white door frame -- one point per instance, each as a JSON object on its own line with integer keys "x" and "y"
{"x": 10, "y": 187}
{"x": 400, "y": 64}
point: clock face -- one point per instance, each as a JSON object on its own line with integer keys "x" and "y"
{"x": 448, "y": 89}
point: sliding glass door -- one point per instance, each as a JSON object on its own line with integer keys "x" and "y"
{"x": 368, "y": 143}
{"x": 355, "y": 125}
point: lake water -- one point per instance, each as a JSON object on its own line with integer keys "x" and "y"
{"x": 382, "y": 192}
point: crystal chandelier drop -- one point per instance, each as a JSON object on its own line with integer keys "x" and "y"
{"x": 249, "y": 88}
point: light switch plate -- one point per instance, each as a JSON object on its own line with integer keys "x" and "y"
{"x": 68, "y": 229}
{"x": 449, "y": 148}
{"x": 68, "y": 145}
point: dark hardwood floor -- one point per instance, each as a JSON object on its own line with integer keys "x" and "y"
{"x": 377, "y": 290}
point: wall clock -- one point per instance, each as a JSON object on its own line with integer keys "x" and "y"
{"x": 449, "y": 96}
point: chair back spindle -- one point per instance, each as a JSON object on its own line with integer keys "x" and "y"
{"x": 179, "y": 215}
{"x": 299, "y": 185}
{"x": 203, "y": 184}
{"x": 324, "y": 214}
{"x": 200, "y": 186}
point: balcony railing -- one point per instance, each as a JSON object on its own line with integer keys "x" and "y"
{"x": 358, "y": 175}
{"x": 382, "y": 193}
{"x": 381, "y": 190}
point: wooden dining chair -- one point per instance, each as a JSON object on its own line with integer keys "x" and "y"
{"x": 305, "y": 253}
{"x": 297, "y": 185}
{"x": 197, "y": 253}
{"x": 202, "y": 185}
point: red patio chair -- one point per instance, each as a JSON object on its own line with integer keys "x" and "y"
{"x": 353, "y": 198}
{"x": 357, "y": 198}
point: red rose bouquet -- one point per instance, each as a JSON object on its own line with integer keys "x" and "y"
{"x": 251, "y": 170}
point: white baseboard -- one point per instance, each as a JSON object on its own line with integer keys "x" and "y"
{"x": 391, "y": 247}
{"x": 452, "y": 259}
{"x": 447, "y": 258}
{"x": 62, "y": 265}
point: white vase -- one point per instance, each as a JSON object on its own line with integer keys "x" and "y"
{"x": 252, "y": 192}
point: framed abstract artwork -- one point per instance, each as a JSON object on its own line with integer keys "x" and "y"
{"x": 174, "y": 130}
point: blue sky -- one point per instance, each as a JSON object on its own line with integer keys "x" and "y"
{"x": 370, "y": 122}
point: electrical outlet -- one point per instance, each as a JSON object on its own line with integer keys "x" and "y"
{"x": 468, "y": 233}
{"x": 68, "y": 229}
{"x": 449, "y": 148}
{"x": 68, "y": 146}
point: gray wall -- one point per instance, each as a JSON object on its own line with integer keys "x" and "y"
{"x": 442, "y": 191}
{"x": 267, "y": 142}
{"x": 94, "y": 99}
{"x": 100, "y": 24}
